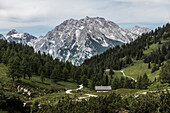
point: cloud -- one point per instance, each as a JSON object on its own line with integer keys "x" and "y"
{"x": 27, "y": 13}
{"x": 146, "y": 1}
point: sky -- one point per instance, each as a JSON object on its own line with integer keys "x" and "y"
{"x": 37, "y": 17}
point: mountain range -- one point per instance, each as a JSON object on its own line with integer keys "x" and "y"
{"x": 77, "y": 40}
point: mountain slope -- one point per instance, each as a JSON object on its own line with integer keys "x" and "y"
{"x": 147, "y": 54}
{"x": 77, "y": 40}
{"x": 23, "y": 38}
{"x": 139, "y": 30}
{"x": 2, "y": 37}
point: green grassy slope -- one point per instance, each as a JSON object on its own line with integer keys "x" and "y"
{"x": 41, "y": 92}
{"x": 36, "y": 81}
{"x": 117, "y": 74}
{"x": 154, "y": 47}
{"x": 140, "y": 68}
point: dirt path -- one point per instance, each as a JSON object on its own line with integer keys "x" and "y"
{"x": 145, "y": 92}
{"x": 81, "y": 86}
{"x": 69, "y": 91}
{"x": 128, "y": 76}
{"x": 90, "y": 95}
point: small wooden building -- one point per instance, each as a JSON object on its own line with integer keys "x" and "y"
{"x": 107, "y": 70}
{"x": 103, "y": 88}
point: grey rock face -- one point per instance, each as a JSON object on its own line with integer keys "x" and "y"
{"x": 23, "y": 38}
{"x": 139, "y": 30}
{"x": 77, "y": 40}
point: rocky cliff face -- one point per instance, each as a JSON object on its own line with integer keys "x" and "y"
{"x": 23, "y": 38}
{"x": 77, "y": 40}
{"x": 139, "y": 30}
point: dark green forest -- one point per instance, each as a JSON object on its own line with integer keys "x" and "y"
{"x": 24, "y": 62}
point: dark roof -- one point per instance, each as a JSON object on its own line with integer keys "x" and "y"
{"x": 103, "y": 88}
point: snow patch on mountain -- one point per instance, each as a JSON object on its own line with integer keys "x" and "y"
{"x": 23, "y": 38}
{"x": 139, "y": 30}
{"x": 77, "y": 40}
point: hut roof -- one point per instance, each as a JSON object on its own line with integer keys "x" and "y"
{"x": 103, "y": 88}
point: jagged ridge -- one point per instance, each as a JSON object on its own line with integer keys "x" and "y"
{"x": 77, "y": 40}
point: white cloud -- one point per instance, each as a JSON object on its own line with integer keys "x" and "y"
{"x": 146, "y": 1}
{"x": 27, "y": 13}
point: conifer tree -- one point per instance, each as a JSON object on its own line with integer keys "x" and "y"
{"x": 14, "y": 68}
{"x": 149, "y": 65}
{"x": 145, "y": 81}
{"x": 84, "y": 80}
{"x": 54, "y": 75}
{"x": 42, "y": 76}
{"x": 165, "y": 73}
{"x": 25, "y": 68}
{"x": 65, "y": 73}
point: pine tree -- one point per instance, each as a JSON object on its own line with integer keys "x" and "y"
{"x": 25, "y": 68}
{"x": 84, "y": 80}
{"x": 153, "y": 68}
{"x": 149, "y": 65}
{"x": 139, "y": 82}
{"x": 14, "y": 68}
{"x": 145, "y": 81}
{"x": 122, "y": 82}
{"x": 127, "y": 83}
{"x": 165, "y": 73}
{"x": 164, "y": 51}
{"x": 54, "y": 75}
{"x": 48, "y": 69}
{"x": 65, "y": 73}
{"x": 42, "y": 76}
{"x": 115, "y": 83}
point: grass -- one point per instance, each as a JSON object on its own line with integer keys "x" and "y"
{"x": 36, "y": 81}
{"x": 117, "y": 74}
{"x": 154, "y": 46}
{"x": 140, "y": 68}
{"x": 49, "y": 98}
{"x": 126, "y": 92}
{"x": 41, "y": 91}
{"x": 48, "y": 84}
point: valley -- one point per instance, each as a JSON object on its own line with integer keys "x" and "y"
{"x": 84, "y": 56}
{"x": 32, "y": 81}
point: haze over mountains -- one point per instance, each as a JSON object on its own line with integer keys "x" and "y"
{"x": 77, "y": 40}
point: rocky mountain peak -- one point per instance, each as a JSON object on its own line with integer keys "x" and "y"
{"x": 13, "y": 31}
{"x": 139, "y": 30}
{"x": 77, "y": 40}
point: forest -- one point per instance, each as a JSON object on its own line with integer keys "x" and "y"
{"x": 24, "y": 62}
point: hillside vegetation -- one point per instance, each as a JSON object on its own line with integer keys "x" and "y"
{"x": 146, "y": 55}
